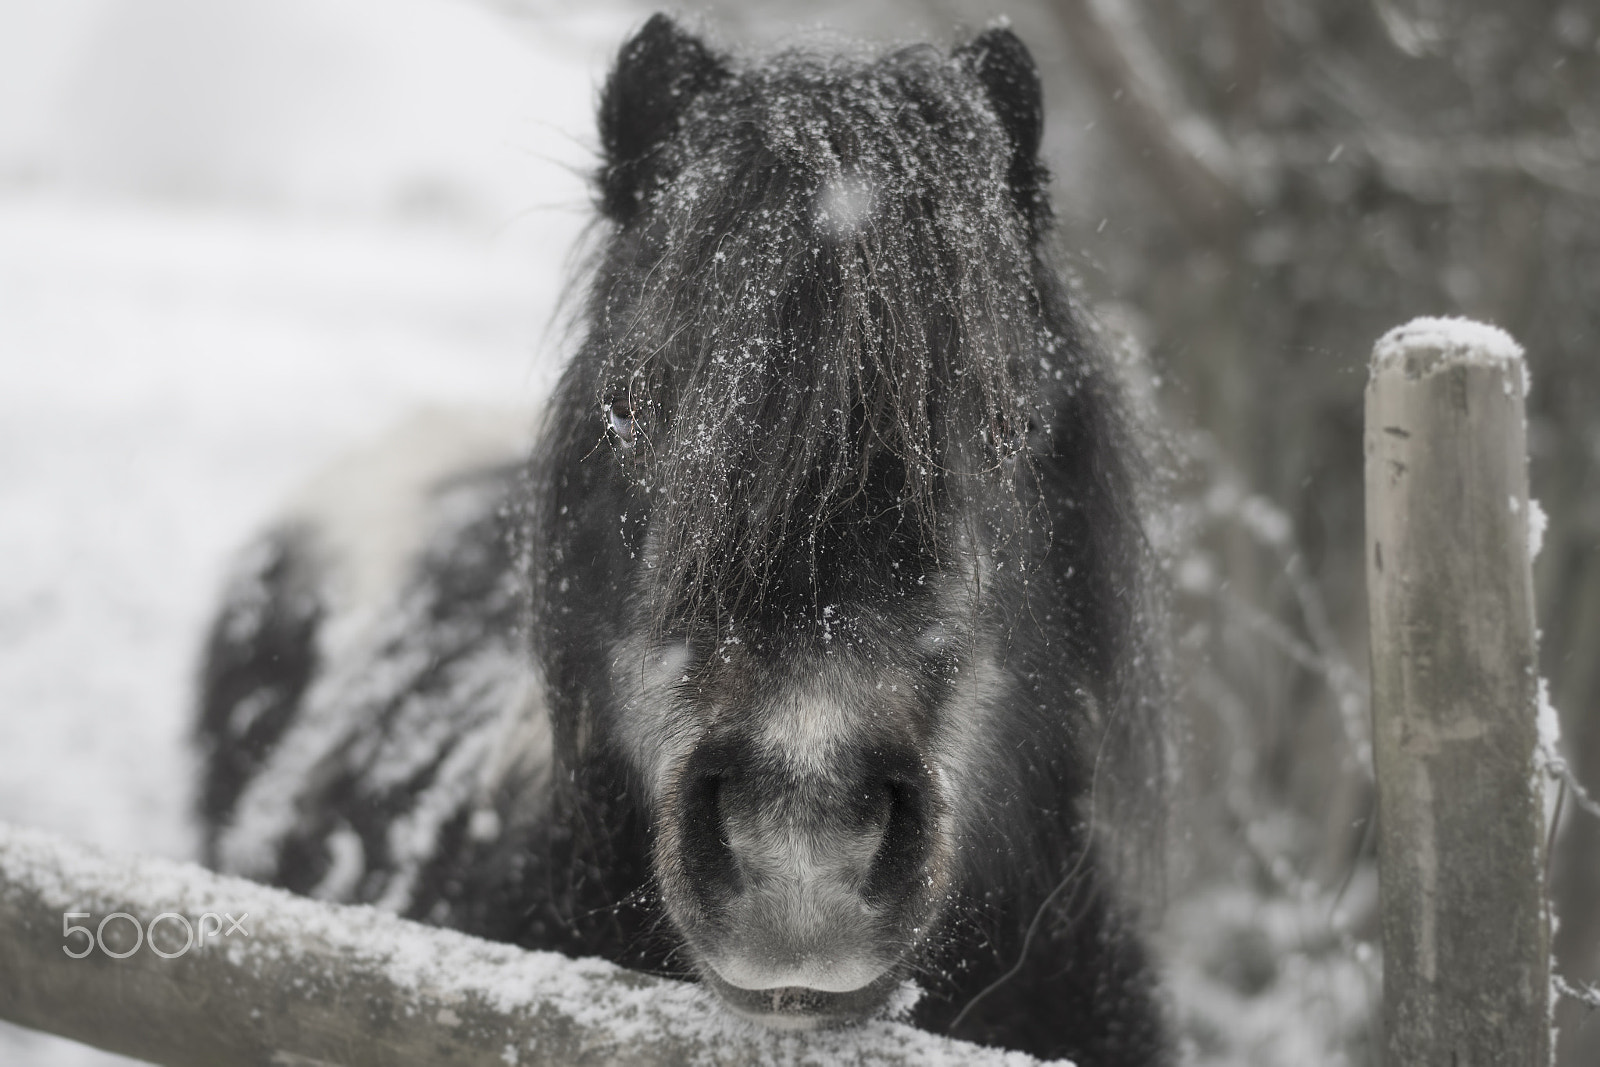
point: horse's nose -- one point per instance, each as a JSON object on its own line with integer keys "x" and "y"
{"x": 804, "y": 879}
{"x": 738, "y": 831}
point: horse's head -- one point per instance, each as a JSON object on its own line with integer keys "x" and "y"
{"x": 794, "y": 508}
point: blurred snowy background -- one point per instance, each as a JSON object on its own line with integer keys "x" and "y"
{"x": 239, "y": 236}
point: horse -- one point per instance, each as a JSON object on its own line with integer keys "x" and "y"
{"x": 810, "y": 652}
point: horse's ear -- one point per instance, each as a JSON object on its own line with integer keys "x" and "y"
{"x": 658, "y": 73}
{"x": 1003, "y": 64}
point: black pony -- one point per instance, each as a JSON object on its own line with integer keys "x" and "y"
{"x": 806, "y": 656}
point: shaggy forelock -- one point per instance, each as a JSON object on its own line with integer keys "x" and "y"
{"x": 825, "y": 318}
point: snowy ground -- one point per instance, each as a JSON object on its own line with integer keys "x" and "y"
{"x": 236, "y": 238}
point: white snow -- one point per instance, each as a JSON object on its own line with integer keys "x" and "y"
{"x": 1550, "y": 766}
{"x": 1538, "y": 522}
{"x": 1549, "y": 724}
{"x": 1456, "y": 340}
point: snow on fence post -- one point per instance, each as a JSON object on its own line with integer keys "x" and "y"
{"x": 1466, "y": 932}
{"x": 292, "y": 982}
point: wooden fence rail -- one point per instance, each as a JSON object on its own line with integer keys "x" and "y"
{"x": 225, "y": 972}
{"x": 1461, "y": 847}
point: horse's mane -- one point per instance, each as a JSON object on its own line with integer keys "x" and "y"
{"x": 825, "y": 318}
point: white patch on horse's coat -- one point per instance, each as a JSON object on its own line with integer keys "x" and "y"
{"x": 369, "y": 508}
{"x": 244, "y": 714}
{"x": 523, "y": 750}
{"x": 514, "y": 740}
{"x": 460, "y": 781}
{"x": 805, "y": 727}
{"x": 965, "y": 737}
{"x": 939, "y": 637}
{"x": 484, "y": 825}
{"x": 347, "y": 862}
{"x": 845, "y": 205}
{"x": 368, "y": 519}
{"x": 964, "y": 751}
{"x": 656, "y": 728}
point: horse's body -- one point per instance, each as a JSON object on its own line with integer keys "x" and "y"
{"x": 805, "y": 656}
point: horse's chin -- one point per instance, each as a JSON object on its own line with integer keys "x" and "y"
{"x": 801, "y": 1008}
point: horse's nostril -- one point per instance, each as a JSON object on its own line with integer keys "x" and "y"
{"x": 707, "y": 855}
{"x": 904, "y": 847}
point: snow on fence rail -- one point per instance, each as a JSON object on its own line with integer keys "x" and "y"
{"x": 1461, "y": 851}
{"x": 181, "y": 966}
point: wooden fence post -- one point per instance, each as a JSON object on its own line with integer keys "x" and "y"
{"x": 1466, "y": 932}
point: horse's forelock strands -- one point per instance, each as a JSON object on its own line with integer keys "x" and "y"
{"x": 829, "y": 572}
{"x": 834, "y": 304}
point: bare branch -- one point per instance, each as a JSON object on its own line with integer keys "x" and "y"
{"x": 1583, "y": 994}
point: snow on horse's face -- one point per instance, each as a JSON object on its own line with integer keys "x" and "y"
{"x": 801, "y": 411}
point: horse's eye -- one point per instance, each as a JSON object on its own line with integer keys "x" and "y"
{"x": 619, "y": 414}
